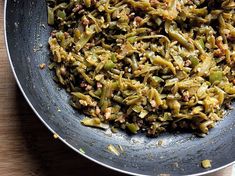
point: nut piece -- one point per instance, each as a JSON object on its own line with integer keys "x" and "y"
{"x": 42, "y": 66}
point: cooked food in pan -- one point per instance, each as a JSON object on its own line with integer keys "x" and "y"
{"x": 145, "y": 66}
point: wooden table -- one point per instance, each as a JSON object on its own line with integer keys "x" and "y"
{"x": 27, "y": 148}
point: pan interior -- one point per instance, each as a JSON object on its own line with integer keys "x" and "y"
{"x": 27, "y": 34}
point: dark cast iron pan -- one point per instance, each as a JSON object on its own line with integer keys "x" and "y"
{"x": 26, "y": 33}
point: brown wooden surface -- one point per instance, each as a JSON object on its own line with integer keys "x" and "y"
{"x": 27, "y": 148}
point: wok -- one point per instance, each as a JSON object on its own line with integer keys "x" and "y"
{"x": 26, "y": 33}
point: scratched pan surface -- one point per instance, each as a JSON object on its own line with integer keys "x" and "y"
{"x": 27, "y": 33}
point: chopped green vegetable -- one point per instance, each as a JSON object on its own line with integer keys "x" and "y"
{"x": 194, "y": 61}
{"x": 50, "y": 16}
{"x": 95, "y": 122}
{"x": 113, "y": 150}
{"x": 61, "y": 14}
{"x": 109, "y": 65}
{"x": 82, "y": 151}
{"x": 215, "y": 76}
{"x": 133, "y": 128}
{"x": 200, "y": 45}
{"x": 147, "y": 65}
{"x": 87, "y": 3}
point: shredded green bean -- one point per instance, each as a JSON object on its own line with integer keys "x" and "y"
{"x": 147, "y": 65}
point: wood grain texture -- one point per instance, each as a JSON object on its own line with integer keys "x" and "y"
{"x": 27, "y": 148}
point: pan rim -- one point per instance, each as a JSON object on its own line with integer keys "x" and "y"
{"x": 63, "y": 140}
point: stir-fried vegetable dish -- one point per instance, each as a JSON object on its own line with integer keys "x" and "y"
{"x": 148, "y": 65}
